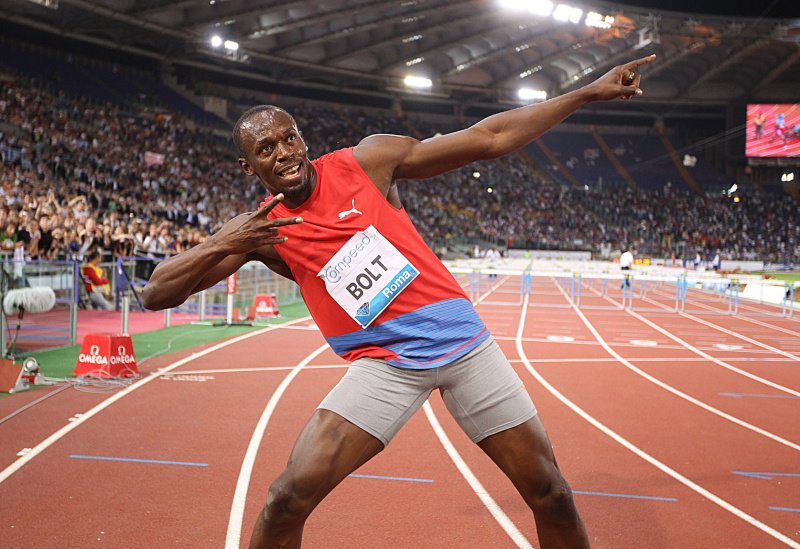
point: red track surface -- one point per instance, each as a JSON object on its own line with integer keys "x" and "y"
{"x": 686, "y": 423}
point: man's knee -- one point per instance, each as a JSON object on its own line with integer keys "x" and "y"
{"x": 551, "y": 495}
{"x": 289, "y": 500}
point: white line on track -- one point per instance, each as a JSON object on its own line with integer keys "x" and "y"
{"x": 738, "y": 317}
{"x": 491, "y": 505}
{"x": 234, "y": 533}
{"x": 49, "y": 441}
{"x": 705, "y": 355}
{"x": 622, "y": 344}
{"x": 641, "y": 453}
{"x": 733, "y": 333}
{"x": 497, "y": 512}
{"x": 673, "y": 390}
{"x": 264, "y": 369}
{"x": 647, "y": 359}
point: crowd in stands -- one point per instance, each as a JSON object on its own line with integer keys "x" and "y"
{"x": 78, "y": 176}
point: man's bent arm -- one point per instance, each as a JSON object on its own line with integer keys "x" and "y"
{"x": 492, "y": 137}
{"x": 189, "y": 272}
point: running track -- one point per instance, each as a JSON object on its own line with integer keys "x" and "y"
{"x": 673, "y": 430}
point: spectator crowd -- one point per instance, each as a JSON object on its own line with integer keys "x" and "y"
{"x": 78, "y": 176}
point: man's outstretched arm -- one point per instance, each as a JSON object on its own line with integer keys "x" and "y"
{"x": 244, "y": 238}
{"x": 492, "y": 137}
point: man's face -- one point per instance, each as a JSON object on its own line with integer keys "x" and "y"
{"x": 276, "y": 153}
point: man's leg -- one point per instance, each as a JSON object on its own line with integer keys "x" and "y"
{"x": 488, "y": 400}
{"x": 525, "y": 455}
{"x": 328, "y": 449}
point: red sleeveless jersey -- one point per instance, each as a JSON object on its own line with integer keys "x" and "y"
{"x": 372, "y": 285}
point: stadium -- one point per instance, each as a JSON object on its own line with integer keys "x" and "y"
{"x": 622, "y": 231}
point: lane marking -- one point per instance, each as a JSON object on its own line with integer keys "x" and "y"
{"x": 381, "y": 477}
{"x": 262, "y": 369}
{"x": 727, "y": 331}
{"x": 790, "y": 509}
{"x": 629, "y": 496}
{"x": 138, "y": 460}
{"x": 81, "y": 418}
{"x": 582, "y": 342}
{"x": 497, "y": 512}
{"x": 756, "y": 395}
{"x": 644, "y": 343}
{"x": 234, "y": 533}
{"x": 560, "y": 338}
{"x": 651, "y": 359}
{"x": 638, "y": 451}
{"x": 703, "y": 354}
{"x": 764, "y": 476}
{"x": 726, "y": 347}
{"x": 745, "y": 318}
{"x": 678, "y": 393}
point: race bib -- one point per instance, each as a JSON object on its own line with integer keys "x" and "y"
{"x": 366, "y": 274}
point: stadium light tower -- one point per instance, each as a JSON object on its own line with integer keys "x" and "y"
{"x": 417, "y": 82}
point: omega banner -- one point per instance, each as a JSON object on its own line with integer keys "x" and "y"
{"x": 106, "y": 356}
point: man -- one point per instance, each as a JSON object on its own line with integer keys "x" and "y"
{"x": 625, "y": 263}
{"x": 97, "y": 285}
{"x": 383, "y": 301}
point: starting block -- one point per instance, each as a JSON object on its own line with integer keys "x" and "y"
{"x": 264, "y": 306}
{"x": 106, "y": 356}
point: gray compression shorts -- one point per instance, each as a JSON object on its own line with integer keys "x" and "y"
{"x": 481, "y": 390}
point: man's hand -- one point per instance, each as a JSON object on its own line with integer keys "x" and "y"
{"x": 620, "y": 82}
{"x": 258, "y": 230}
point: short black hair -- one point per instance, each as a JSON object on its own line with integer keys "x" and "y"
{"x": 237, "y": 128}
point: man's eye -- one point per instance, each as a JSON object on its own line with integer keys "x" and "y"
{"x": 291, "y": 138}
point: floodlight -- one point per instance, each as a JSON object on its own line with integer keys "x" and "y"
{"x": 787, "y": 177}
{"x": 535, "y": 7}
{"x": 489, "y": 190}
{"x": 528, "y": 94}
{"x": 476, "y": 174}
{"x": 230, "y": 45}
{"x": 564, "y": 12}
{"x": 597, "y": 20}
{"x": 733, "y": 188}
{"x": 216, "y": 41}
{"x": 417, "y": 82}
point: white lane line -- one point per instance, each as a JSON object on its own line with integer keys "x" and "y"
{"x": 234, "y": 533}
{"x": 49, "y": 441}
{"x": 648, "y": 359}
{"x": 545, "y": 340}
{"x": 707, "y": 356}
{"x": 641, "y": 453}
{"x": 264, "y": 369}
{"x": 502, "y": 519}
{"x": 741, "y": 317}
{"x": 731, "y": 332}
{"x": 672, "y": 389}
{"x": 715, "y": 360}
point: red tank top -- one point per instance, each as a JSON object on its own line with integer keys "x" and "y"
{"x": 372, "y": 285}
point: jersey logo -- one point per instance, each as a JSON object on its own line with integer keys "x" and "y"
{"x": 363, "y": 310}
{"x": 353, "y": 210}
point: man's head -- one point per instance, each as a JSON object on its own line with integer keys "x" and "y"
{"x": 94, "y": 256}
{"x": 271, "y": 147}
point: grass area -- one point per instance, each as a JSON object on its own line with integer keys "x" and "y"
{"x": 795, "y": 277}
{"x": 59, "y": 363}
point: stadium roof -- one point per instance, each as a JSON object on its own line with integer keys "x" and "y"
{"x": 473, "y": 51}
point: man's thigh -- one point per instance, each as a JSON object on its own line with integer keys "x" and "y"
{"x": 484, "y": 393}
{"x": 379, "y": 398}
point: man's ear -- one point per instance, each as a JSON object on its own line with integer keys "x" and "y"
{"x": 246, "y": 167}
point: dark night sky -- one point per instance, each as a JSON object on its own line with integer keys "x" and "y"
{"x": 748, "y": 8}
